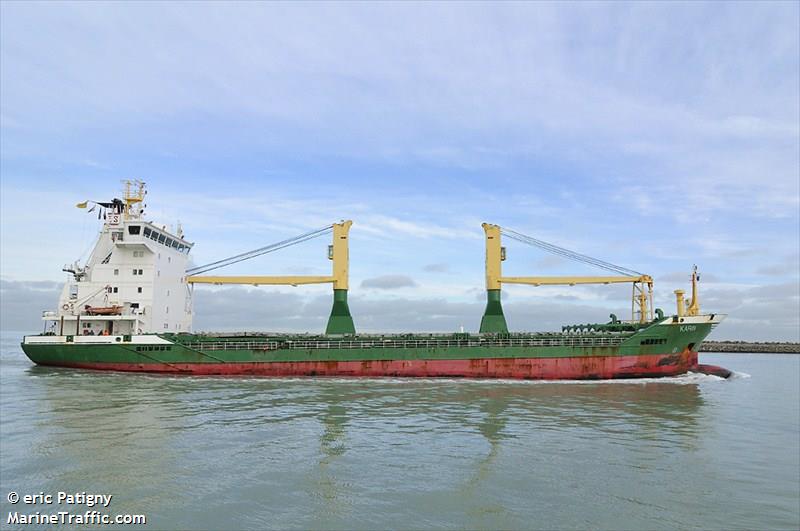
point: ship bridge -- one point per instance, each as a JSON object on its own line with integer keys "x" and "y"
{"x": 134, "y": 279}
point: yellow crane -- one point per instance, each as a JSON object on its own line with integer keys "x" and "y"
{"x": 694, "y": 304}
{"x": 340, "y": 320}
{"x": 494, "y": 319}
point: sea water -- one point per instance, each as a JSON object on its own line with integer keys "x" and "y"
{"x": 187, "y": 452}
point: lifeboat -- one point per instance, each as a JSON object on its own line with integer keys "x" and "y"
{"x": 103, "y": 310}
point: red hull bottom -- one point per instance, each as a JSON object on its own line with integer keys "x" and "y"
{"x": 578, "y": 368}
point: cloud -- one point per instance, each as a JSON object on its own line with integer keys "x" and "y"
{"x": 436, "y": 268}
{"x": 468, "y": 90}
{"x": 389, "y": 282}
{"x": 22, "y": 303}
{"x": 790, "y": 266}
{"x": 416, "y": 229}
{"x": 549, "y": 262}
{"x": 254, "y": 309}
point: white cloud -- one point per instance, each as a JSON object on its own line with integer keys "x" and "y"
{"x": 437, "y": 268}
{"x": 388, "y": 282}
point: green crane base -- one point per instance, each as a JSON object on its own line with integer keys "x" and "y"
{"x": 340, "y": 321}
{"x": 493, "y": 319}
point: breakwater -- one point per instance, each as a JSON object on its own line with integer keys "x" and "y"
{"x": 746, "y": 346}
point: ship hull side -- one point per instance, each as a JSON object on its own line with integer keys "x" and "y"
{"x": 539, "y": 368}
{"x": 665, "y": 349}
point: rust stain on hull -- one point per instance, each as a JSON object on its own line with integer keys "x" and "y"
{"x": 577, "y": 368}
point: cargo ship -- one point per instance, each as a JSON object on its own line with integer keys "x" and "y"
{"x": 129, "y": 308}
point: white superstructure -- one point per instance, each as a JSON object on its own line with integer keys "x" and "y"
{"x": 134, "y": 281}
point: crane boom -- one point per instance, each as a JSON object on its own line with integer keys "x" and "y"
{"x": 340, "y": 320}
{"x": 260, "y": 280}
{"x": 572, "y": 281}
{"x": 494, "y": 318}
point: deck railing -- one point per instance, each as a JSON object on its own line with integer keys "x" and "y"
{"x": 408, "y": 343}
{"x": 233, "y": 345}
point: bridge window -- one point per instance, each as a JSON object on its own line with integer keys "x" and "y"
{"x": 134, "y": 229}
{"x": 154, "y": 236}
{"x": 161, "y": 238}
{"x": 147, "y": 232}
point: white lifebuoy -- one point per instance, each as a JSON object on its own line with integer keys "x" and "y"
{"x": 65, "y": 307}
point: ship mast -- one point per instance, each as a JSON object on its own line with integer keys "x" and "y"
{"x": 133, "y": 197}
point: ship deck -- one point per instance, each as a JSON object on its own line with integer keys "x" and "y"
{"x": 395, "y": 341}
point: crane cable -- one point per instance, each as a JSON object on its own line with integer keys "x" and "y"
{"x": 88, "y": 297}
{"x": 566, "y": 253}
{"x": 260, "y": 251}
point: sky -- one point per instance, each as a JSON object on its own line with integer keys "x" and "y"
{"x": 651, "y": 135}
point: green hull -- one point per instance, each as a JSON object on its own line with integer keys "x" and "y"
{"x": 501, "y": 355}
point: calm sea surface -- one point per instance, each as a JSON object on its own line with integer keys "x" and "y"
{"x": 231, "y": 453}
